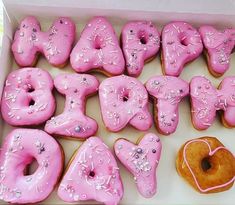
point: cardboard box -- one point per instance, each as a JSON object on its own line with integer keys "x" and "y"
{"x": 172, "y": 189}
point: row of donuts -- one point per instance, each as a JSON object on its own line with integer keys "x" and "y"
{"x": 93, "y": 174}
{"x": 98, "y": 46}
{"x": 28, "y": 100}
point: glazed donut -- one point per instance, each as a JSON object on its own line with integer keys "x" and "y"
{"x": 206, "y": 100}
{"x": 27, "y": 97}
{"x": 181, "y": 43}
{"x": 98, "y": 49}
{"x": 167, "y": 91}
{"x": 20, "y": 148}
{"x": 140, "y": 42}
{"x": 124, "y": 100}
{"x": 219, "y": 46}
{"x": 206, "y": 164}
{"x": 92, "y": 174}
{"x": 55, "y": 44}
{"x": 141, "y": 160}
{"x": 73, "y": 122}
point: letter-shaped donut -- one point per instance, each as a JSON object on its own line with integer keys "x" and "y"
{"x": 55, "y": 44}
{"x": 167, "y": 91}
{"x": 27, "y": 97}
{"x": 142, "y": 161}
{"x": 181, "y": 43}
{"x": 219, "y": 46}
{"x": 92, "y": 175}
{"x": 98, "y": 48}
{"x": 124, "y": 100}
{"x": 140, "y": 42}
{"x": 73, "y": 122}
{"x": 206, "y": 100}
{"x": 20, "y": 148}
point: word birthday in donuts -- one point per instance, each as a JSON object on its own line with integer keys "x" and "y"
{"x": 28, "y": 99}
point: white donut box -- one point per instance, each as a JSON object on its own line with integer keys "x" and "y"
{"x": 172, "y": 189}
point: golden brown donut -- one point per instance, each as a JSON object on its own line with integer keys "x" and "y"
{"x": 206, "y": 164}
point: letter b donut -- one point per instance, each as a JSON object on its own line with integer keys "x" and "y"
{"x": 27, "y": 97}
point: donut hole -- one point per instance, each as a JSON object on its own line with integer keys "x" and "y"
{"x": 143, "y": 37}
{"x": 98, "y": 43}
{"x": 31, "y": 167}
{"x": 184, "y": 40}
{"x": 125, "y": 98}
{"x": 125, "y": 95}
{"x": 91, "y": 174}
{"x": 206, "y": 164}
{"x": 31, "y": 102}
{"x": 97, "y": 46}
{"x": 30, "y": 88}
{"x": 143, "y": 40}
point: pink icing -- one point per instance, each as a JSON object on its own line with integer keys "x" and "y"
{"x": 219, "y": 46}
{"x": 73, "y": 122}
{"x": 124, "y": 100}
{"x": 27, "y": 97}
{"x": 211, "y": 152}
{"x": 20, "y": 148}
{"x": 181, "y": 43}
{"x": 206, "y": 100}
{"x": 98, "y": 48}
{"x": 142, "y": 161}
{"x": 92, "y": 175}
{"x": 140, "y": 41}
{"x": 168, "y": 91}
{"x": 55, "y": 44}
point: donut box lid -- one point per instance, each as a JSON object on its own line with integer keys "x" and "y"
{"x": 186, "y": 6}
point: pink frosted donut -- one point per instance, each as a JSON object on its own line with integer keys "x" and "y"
{"x": 168, "y": 91}
{"x": 124, "y": 100}
{"x": 20, "y": 148}
{"x": 181, "y": 43}
{"x": 27, "y": 97}
{"x": 142, "y": 161}
{"x": 92, "y": 174}
{"x": 140, "y": 42}
{"x": 98, "y": 48}
{"x": 206, "y": 100}
{"x": 73, "y": 122}
{"x": 219, "y": 46}
{"x": 55, "y": 44}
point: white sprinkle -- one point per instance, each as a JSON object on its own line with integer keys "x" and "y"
{"x": 108, "y": 180}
